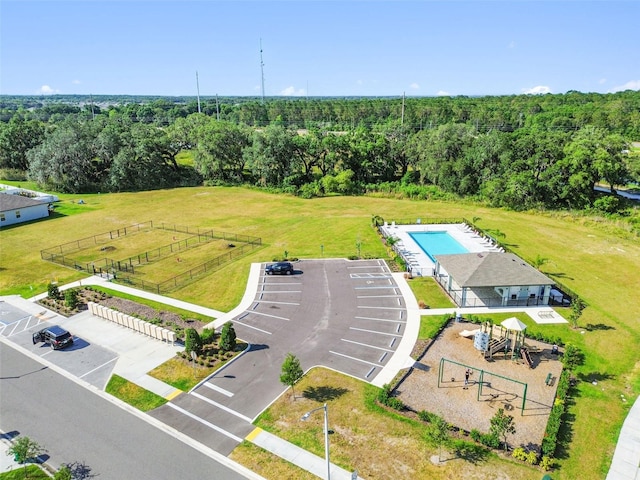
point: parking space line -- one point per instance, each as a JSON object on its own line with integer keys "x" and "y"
{"x": 236, "y": 322}
{"x": 354, "y": 358}
{"x": 382, "y": 357}
{"x": 380, "y": 308}
{"x": 373, "y": 331}
{"x": 379, "y": 296}
{"x": 218, "y": 389}
{"x": 99, "y": 367}
{"x": 17, "y": 323}
{"x": 281, "y": 291}
{"x": 375, "y": 288}
{"x": 269, "y": 315}
{"x": 378, "y": 319}
{"x": 366, "y": 345}
{"x": 204, "y": 422}
{"x": 370, "y": 372}
{"x": 393, "y": 341}
{"x": 279, "y": 303}
{"x": 220, "y": 406}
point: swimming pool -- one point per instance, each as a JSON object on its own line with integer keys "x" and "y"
{"x": 437, "y": 243}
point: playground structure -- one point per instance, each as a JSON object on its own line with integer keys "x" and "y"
{"x": 507, "y": 338}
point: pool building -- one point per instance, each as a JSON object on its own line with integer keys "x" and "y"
{"x": 472, "y": 269}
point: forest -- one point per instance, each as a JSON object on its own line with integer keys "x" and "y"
{"x": 520, "y": 152}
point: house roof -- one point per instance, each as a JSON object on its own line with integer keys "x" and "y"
{"x": 491, "y": 269}
{"x": 14, "y": 202}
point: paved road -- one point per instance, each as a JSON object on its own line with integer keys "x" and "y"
{"x": 348, "y": 316}
{"x": 76, "y": 425}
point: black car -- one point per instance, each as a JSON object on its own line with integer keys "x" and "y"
{"x": 56, "y": 336}
{"x": 280, "y": 267}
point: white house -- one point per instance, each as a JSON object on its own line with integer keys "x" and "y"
{"x": 17, "y": 209}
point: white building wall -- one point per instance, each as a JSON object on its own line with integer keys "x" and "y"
{"x": 26, "y": 214}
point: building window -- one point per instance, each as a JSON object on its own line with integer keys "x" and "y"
{"x": 2, "y": 217}
{"x": 17, "y": 213}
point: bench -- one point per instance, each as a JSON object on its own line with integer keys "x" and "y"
{"x": 549, "y": 381}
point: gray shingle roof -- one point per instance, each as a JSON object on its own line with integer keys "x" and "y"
{"x": 491, "y": 269}
{"x": 13, "y": 202}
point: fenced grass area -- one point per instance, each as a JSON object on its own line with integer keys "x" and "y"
{"x": 156, "y": 258}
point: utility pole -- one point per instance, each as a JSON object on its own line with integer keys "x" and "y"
{"x": 198, "y": 90}
{"x": 262, "y": 70}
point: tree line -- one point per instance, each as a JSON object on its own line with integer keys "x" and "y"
{"x": 530, "y": 164}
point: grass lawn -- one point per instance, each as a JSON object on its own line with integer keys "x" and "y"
{"x": 134, "y": 395}
{"x": 427, "y": 290}
{"x": 597, "y": 258}
{"x": 378, "y": 443}
{"x": 33, "y": 472}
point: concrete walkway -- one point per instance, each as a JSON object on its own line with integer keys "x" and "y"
{"x": 626, "y": 459}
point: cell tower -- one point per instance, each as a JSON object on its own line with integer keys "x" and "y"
{"x": 198, "y": 90}
{"x": 262, "y": 70}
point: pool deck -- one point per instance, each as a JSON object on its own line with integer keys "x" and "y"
{"x": 417, "y": 260}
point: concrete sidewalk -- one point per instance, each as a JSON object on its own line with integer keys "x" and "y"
{"x": 626, "y": 458}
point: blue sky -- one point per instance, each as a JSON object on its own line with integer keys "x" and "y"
{"x": 318, "y": 48}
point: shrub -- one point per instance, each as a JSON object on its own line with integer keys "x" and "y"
{"x": 192, "y": 341}
{"x": 476, "y": 435}
{"x": 207, "y": 336}
{"x": 53, "y": 291}
{"x": 519, "y": 454}
{"x": 426, "y": 416}
{"x": 71, "y": 298}
{"x": 228, "y": 338}
{"x": 572, "y": 356}
{"x": 63, "y": 474}
{"x": 490, "y": 440}
{"x": 532, "y": 458}
{"x": 546, "y": 463}
{"x": 395, "y": 403}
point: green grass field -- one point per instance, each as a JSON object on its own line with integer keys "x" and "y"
{"x": 596, "y": 258}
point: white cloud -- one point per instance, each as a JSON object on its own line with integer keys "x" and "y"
{"x": 539, "y": 90}
{"x": 414, "y": 86}
{"x": 442, "y": 93}
{"x": 46, "y": 90}
{"x": 630, "y": 85}
{"x": 292, "y": 92}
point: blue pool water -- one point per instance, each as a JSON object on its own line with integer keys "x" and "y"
{"x": 437, "y": 243}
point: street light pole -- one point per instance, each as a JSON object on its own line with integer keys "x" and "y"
{"x": 326, "y": 434}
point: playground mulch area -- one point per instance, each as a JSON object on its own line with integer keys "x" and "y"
{"x": 465, "y": 408}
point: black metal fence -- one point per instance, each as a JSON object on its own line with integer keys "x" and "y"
{"x": 124, "y": 270}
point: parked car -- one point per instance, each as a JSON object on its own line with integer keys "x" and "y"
{"x": 280, "y": 267}
{"x": 56, "y": 336}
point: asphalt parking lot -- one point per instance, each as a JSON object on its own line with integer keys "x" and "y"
{"x": 88, "y": 361}
{"x": 345, "y": 315}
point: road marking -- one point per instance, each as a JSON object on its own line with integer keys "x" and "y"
{"x": 98, "y": 368}
{"x": 282, "y": 291}
{"x": 369, "y": 275}
{"x": 280, "y": 303}
{"x": 370, "y": 372}
{"x": 379, "y": 296}
{"x": 173, "y": 394}
{"x": 366, "y": 345}
{"x": 372, "y": 288}
{"x": 222, "y": 407}
{"x": 364, "y": 266}
{"x": 251, "y": 326}
{"x": 354, "y": 358}
{"x": 18, "y": 322}
{"x": 393, "y": 340}
{"x": 269, "y": 315}
{"x": 381, "y": 308}
{"x": 206, "y": 423}
{"x": 218, "y": 389}
{"x": 398, "y": 328}
{"x": 252, "y": 436}
{"x": 377, "y": 319}
{"x": 373, "y": 331}
{"x": 382, "y": 357}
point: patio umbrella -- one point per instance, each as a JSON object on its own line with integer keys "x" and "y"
{"x": 517, "y": 326}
